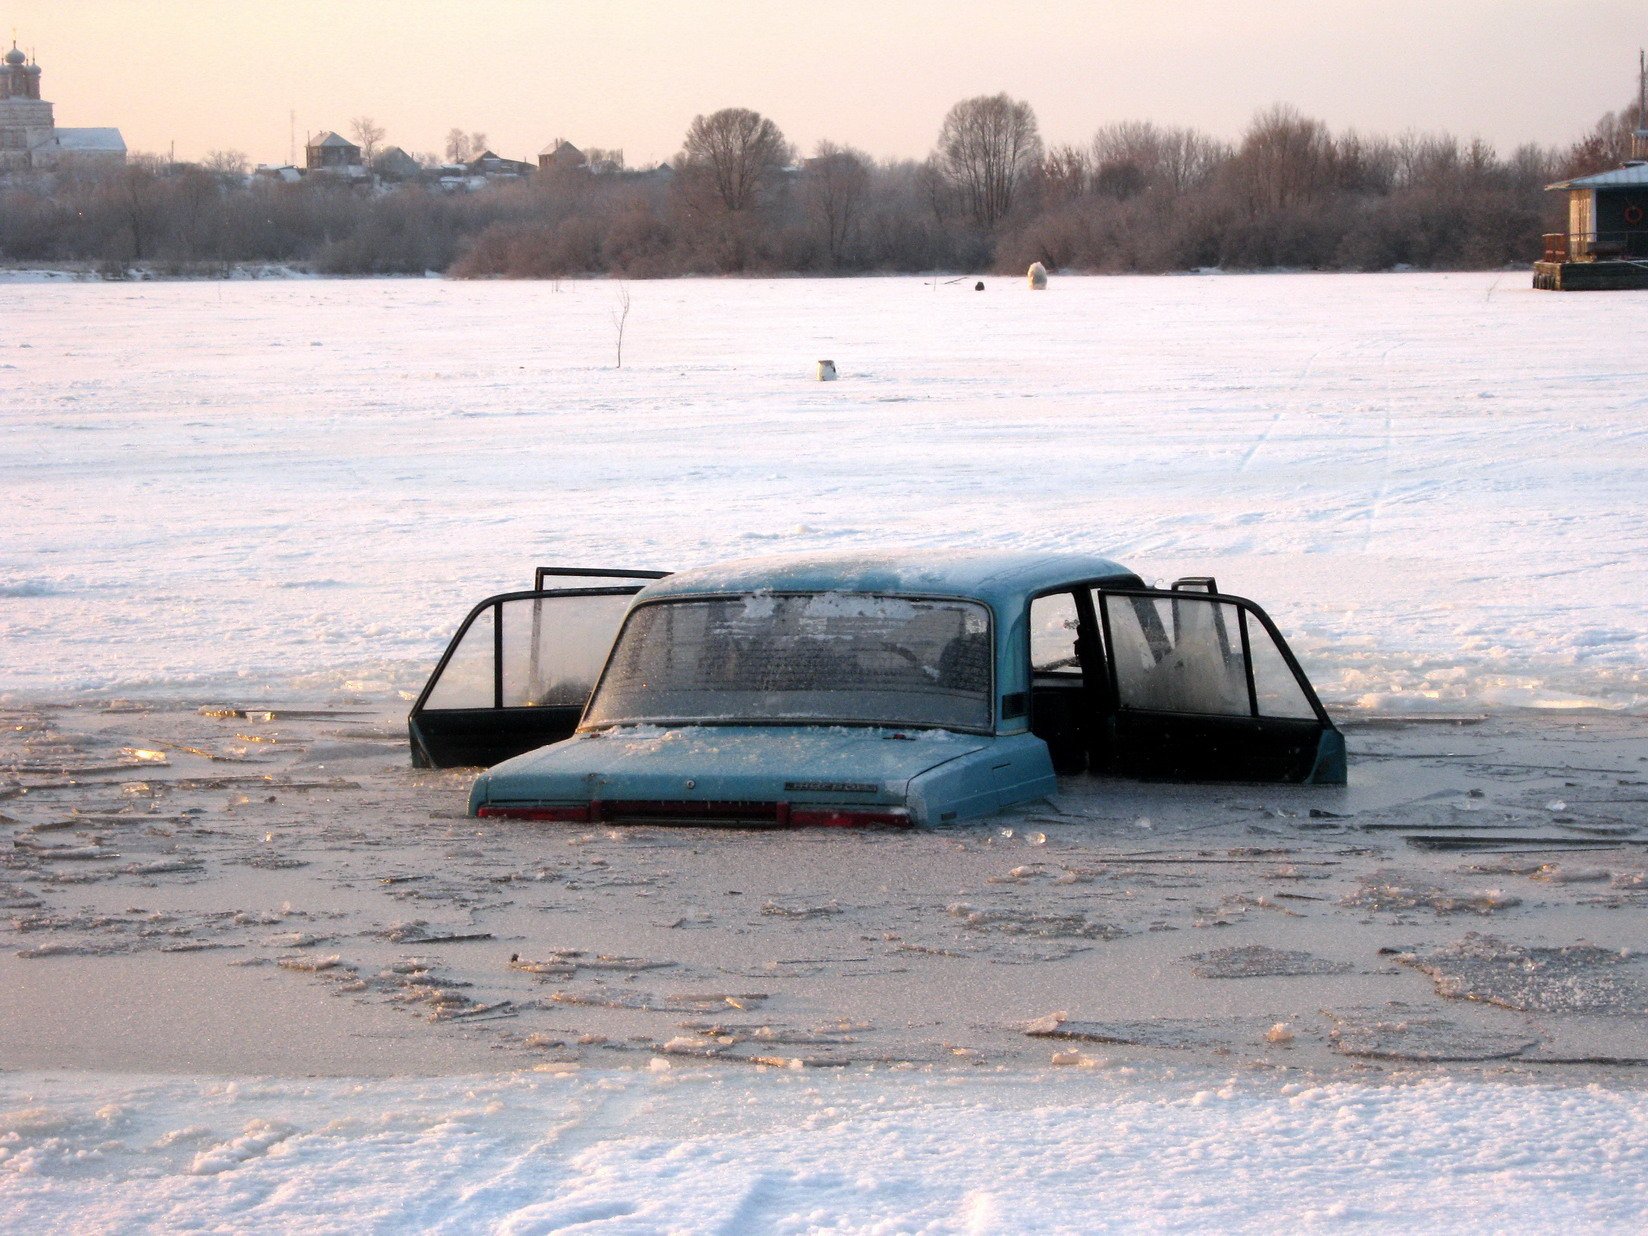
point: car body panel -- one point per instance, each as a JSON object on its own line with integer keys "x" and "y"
{"x": 938, "y": 775}
{"x": 1012, "y": 769}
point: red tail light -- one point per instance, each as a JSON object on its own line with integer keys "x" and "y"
{"x": 559, "y": 815}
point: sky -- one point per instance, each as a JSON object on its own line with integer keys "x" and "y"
{"x": 192, "y": 76}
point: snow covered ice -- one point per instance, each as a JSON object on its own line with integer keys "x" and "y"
{"x": 256, "y": 973}
{"x": 680, "y": 1150}
{"x": 282, "y": 487}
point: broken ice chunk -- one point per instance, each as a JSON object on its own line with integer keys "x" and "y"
{"x": 1260, "y": 961}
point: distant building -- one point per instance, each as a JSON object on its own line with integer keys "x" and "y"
{"x": 1606, "y": 244}
{"x": 333, "y": 155}
{"x": 29, "y": 137}
{"x": 284, "y": 174}
{"x": 496, "y": 167}
{"x": 561, "y": 156}
{"x": 396, "y": 164}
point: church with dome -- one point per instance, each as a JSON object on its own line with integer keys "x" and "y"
{"x": 29, "y": 137}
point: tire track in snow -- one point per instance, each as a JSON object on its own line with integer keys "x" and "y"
{"x": 532, "y": 1190}
{"x": 1293, "y": 397}
{"x": 1382, "y": 494}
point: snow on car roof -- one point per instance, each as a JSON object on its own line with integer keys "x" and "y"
{"x": 988, "y": 575}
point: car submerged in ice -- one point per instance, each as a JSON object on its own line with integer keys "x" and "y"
{"x": 857, "y": 689}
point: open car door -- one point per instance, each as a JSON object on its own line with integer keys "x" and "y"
{"x": 520, "y": 669}
{"x": 1202, "y": 687}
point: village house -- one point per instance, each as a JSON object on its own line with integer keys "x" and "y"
{"x": 496, "y": 167}
{"x": 561, "y": 156}
{"x": 333, "y": 155}
{"x": 395, "y": 164}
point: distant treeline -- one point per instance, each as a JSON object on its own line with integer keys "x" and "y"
{"x": 1137, "y": 197}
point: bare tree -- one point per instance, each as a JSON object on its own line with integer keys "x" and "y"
{"x": 1137, "y": 156}
{"x": 732, "y": 155}
{"x": 1065, "y": 175}
{"x": 137, "y": 196}
{"x": 193, "y": 206}
{"x": 457, "y": 146}
{"x": 230, "y": 164}
{"x": 936, "y": 191}
{"x": 1284, "y": 159}
{"x": 368, "y": 135}
{"x": 1189, "y": 159}
{"x": 1366, "y": 164}
{"x": 986, "y": 147}
{"x": 836, "y": 185}
{"x": 1608, "y": 144}
{"x": 477, "y": 143}
{"x": 620, "y": 318}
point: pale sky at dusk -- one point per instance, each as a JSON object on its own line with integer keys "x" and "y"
{"x": 878, "y": 74}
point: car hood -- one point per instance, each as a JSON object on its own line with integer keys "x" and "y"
{"x": 799, "y": 764}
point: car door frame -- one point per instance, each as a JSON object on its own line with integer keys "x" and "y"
{"x": 1157, "y": 744}
{"x": 1096, "y": 692}
{"x": 486, "y": 735}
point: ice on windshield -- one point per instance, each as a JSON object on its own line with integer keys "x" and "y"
{"x": 816, "y": 657}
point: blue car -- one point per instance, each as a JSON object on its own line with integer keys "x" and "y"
{"x": 860, "y": 689}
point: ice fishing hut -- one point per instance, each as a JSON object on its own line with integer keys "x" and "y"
{"x": 1606, "y": 244}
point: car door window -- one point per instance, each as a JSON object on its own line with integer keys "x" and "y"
{"x": 554, "y": 647}
{"x": 1276, "y": 687}
{"x": 468, "y": 679}
{"x": 1053, "y": 629}
{"x": 1178, "y": 654}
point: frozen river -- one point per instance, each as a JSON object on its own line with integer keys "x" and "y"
{"x": 287, "y": 489}
{"x": 255, "y": 973}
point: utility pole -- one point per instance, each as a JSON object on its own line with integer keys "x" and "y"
{"x": 292, "y": 139}
{"x": 1639, "y": 137}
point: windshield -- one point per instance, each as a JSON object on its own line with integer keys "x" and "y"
{"x": 816, "y": 657}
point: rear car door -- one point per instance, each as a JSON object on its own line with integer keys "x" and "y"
{"x": 520, "y": 668}
{"x": 1202, "y": 687}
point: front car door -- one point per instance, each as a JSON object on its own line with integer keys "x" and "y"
{"x": 1202, "y": 687}
{"x": 520, "y": 669}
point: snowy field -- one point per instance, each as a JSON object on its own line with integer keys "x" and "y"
{"x": 287, "y": 494}
{"x": 708, "y": 1152}
{"x": 1435, "y": 482}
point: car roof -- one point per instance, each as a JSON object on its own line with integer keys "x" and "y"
{"x": 994, "y": 576}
